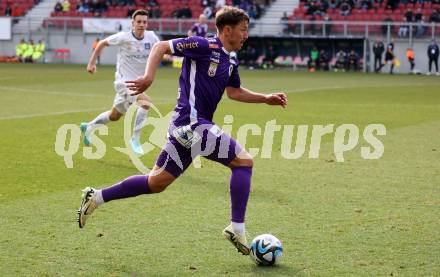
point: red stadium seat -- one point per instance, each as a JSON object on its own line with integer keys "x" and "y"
{"x": 62, "y": 54}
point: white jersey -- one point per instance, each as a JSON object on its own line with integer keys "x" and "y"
{"x": 132, "y": 54}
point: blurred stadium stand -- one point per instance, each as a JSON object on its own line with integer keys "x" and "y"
{"x": 291, "y": 27}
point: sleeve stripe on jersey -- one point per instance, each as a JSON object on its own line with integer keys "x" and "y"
{"x": 171, "y": 46}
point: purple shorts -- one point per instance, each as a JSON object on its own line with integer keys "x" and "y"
{"x": 208, "y": 141}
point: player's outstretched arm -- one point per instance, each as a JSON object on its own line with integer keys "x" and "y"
{"x": 143, "y": 83}
{"x": 91, "y": 66}
{"x": 245, "y": 95}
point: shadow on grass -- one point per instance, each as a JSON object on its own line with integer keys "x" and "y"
{"x": 278, "y": 270}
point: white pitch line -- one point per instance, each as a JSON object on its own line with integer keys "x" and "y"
{"x": 51, "y": 92}
{"x": 347, "y": 87}
{"x": 49, "y": 114}
{"x": 66, "y": 112}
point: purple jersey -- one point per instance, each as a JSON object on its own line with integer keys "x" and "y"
{"x": 208, "y": 68}
{"x": 199, "y": 29}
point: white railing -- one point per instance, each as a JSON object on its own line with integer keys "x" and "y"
{"x": 300, "y": 28}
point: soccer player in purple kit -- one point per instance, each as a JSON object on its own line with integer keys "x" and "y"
{"x": 200, "y": 28}
{"x": 209, "y": 68}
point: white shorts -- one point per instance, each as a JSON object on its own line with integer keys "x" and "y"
{"x": 123, "y": 99}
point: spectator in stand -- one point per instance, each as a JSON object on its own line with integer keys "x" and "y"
{"x": 353, "y": 61}
{"x": 285, "y": 23}
{"x": 409, "y": 15}
{"x": 82, "y": 7}
{"x": 345, "y": 8}
{"x": 186, "y": 12}
{"x": 200, "y": 28}
{"x": 125, "y": 2}
{"x": 313, "y": 8}
{"x": 385, "y": 25}
{"x": 8, "y": 9}
{"x": 66, "y": 6}
{"x": 58, "y": 7}
{"x": 17, "y": 11}
{"x": 313, "y": 59}
{"x": 101, "y": 7}
{"x": 220, "y": 4}
{"x": 378, "y": 49}
{"x": 152, "y": 3}
{"x": 435, "y": 16}
{"x": 341, "y": 60}
{"x": 323, "y": 60}
{"x": 252, "y": 11}
{"x": 154, "y": 11}
{"x": 410, "y": 57}
{"x": 333, "y": 4}
{"x": 403, "y": 29}
{"x": 433, "y": 54}
{"x": 204, "y": 3}
{"x": 365, "y": 5}
{"x": 312, "y": 24}
{"x": 327, "y": 25}
{"x": 130, "y": 11}
{"x": 420, "y": 28}
{"x": 418, "y": 16}
{"x": 323, "y": 8}
{"x": 208, "y": 12}
{"x": 392, "y": 4}
{"x": 389, "y": 56}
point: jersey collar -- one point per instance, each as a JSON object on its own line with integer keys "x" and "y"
{"x": 132, "y": 33}
{"x": 223, "y": 48}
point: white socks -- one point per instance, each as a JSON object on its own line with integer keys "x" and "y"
{"x": 98, "y": 197}
{"x": 141, "y": 116}
{"x": 139, "y": 122}
{"x": 238, "y": 228}
{"x": 103, "y": 118}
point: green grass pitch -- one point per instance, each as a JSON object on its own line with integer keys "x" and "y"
{"x": 354, "y": 218}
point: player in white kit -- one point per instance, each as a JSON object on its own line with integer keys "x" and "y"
{"x": 133, "y": 49}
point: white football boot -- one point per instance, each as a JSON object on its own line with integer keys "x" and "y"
{"x": 239, "y": 241}
{"x": 88, "y": 205}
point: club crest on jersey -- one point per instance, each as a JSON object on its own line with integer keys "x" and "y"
{"x": 212, "y": 69}
{"x": 215, "y": 57}
{"x": 147, "y": 46}
{"x": 231, "y": 67}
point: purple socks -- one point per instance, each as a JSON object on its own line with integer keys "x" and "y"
{"x": 240, "y": 185}
{"x": 130, "y": 187}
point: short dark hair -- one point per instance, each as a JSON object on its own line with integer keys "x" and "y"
{"x": 139, "y": 12}
{"x": 231, "y": 16}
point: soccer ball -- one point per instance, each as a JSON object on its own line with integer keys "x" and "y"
{"x": 266, "y": 249}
